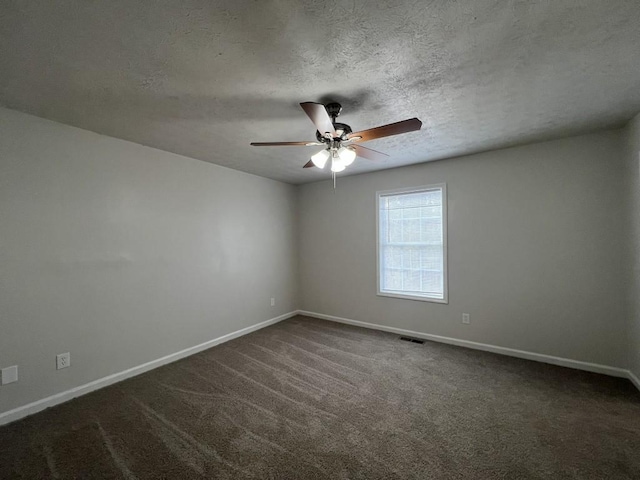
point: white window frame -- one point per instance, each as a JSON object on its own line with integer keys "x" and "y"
{"x": 384, "y": 193}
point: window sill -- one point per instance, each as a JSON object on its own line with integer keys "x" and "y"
{"x": 413, "y": 297}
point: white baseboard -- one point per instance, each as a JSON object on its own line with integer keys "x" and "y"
{"x": 635, "y": 380}
{"x": 538, "y": 357}
{"x": 38, "y": 405}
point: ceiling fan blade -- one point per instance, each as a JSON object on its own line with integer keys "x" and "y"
{"x": 369, "y": 153}
{"x": 397, "y": 128}
{"x": 309, "y": 164}
{"x": 285, "y": 144}
{"x": 319, "y": 116}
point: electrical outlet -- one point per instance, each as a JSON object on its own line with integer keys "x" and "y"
{"x": 465, "y": 318}
{"x": 63, "y": 360}
{"x": 273, "y": 302}
{"x": 9, "y": 375}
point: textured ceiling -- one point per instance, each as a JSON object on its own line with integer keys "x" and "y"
{"x": 203, "y": 78}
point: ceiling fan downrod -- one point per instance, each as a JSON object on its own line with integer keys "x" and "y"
{"x": 333, "y": 109}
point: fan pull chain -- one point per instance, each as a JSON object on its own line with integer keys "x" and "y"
{"x": 333, "y": 174}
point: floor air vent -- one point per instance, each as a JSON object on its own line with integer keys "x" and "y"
{"x": 414, "y": 340}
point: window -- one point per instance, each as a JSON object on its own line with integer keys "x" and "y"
{"x": 412, "y": 243}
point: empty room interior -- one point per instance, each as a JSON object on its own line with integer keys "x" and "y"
{"x": 320, "y": 240}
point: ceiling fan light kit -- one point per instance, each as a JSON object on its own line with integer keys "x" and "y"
{"x": 320, "y": 158}
{"x": 341, "y": 143}
{"x": 337, "y": 165}
{"x": 347, "y": 155}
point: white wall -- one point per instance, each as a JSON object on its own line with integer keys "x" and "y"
{"x": 121, "y": 254}
{"x": 632, "y": 156}
{"x": 536, "y": 249}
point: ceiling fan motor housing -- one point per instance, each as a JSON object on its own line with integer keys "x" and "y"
{"x": 346, "y": 130}
{"x": 334, "y": 109}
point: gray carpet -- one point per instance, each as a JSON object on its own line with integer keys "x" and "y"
{"x": 309, "y": 399}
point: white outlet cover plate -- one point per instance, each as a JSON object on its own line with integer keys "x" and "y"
{"x": 63, "y": 360}
{"x": 9, "y": 374}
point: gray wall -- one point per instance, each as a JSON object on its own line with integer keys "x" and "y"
{"x": 632, "y": 156}
{"x": 121, "y": 254}
{"x": 536, "y": 240}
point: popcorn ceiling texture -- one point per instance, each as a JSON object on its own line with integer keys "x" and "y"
{"x": 203, "y": 79}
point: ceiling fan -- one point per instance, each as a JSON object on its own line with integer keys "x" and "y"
{"x": 340, "y": 143}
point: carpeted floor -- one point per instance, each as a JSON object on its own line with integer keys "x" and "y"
{"x": 310, "y": 399}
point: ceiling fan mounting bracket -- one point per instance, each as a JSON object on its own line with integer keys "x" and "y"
{"x": 333, "y": 109}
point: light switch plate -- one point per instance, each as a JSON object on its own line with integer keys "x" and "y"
{"x": 9, "y": 375}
